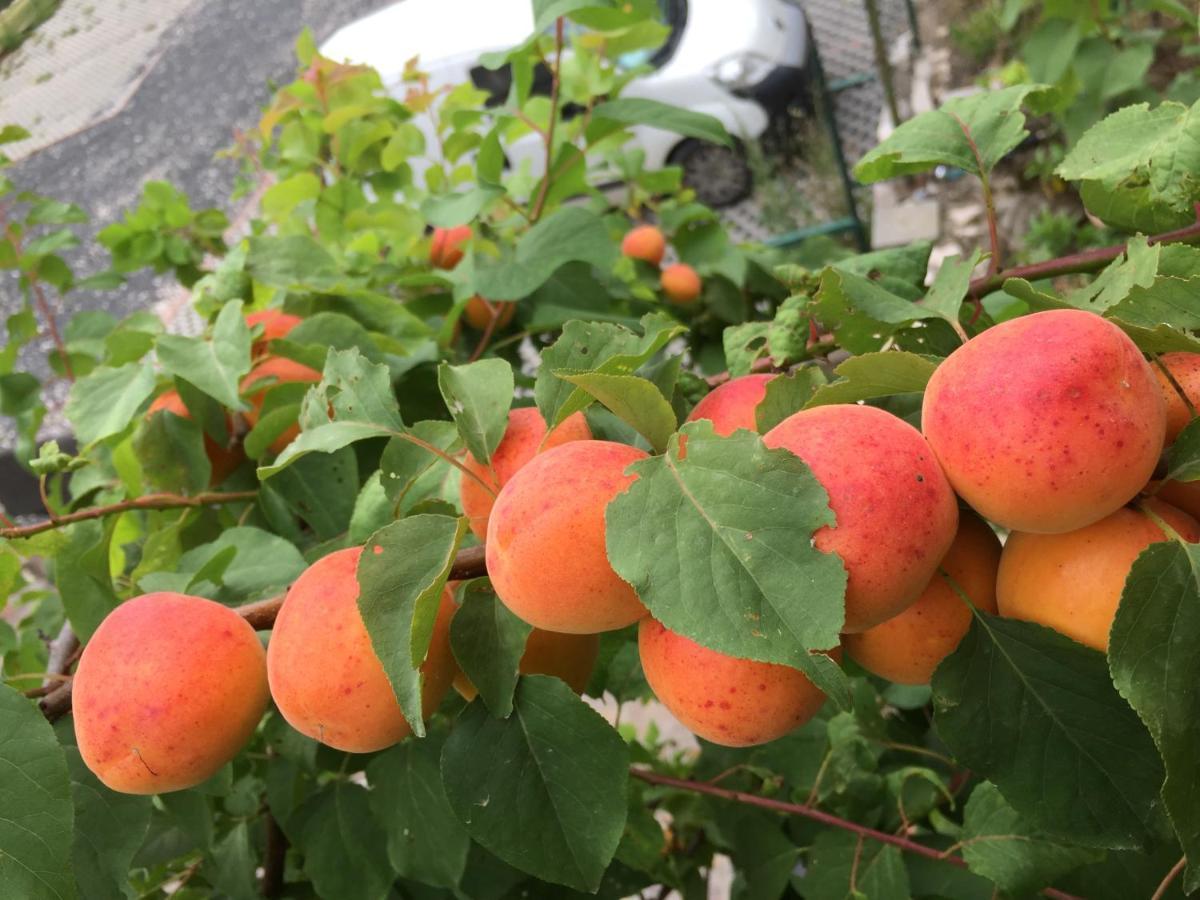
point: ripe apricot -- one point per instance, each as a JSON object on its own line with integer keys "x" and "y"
{"x": 1183, "y": 495}
{"x": 325, "y": 677}
{"x": 479, "y": 312}
{"x": 1185, "y": 369}
{"x": 1046, "y": 423}
{"x": 644, "y": 242}
{"x": 724, "y": 699}
{"x": 546, "y": 551}
{"x": 570, "y": 657}
{"x": 1072, "y": 582}
{"x": 896, "y": 514}
{"x": 168, "y": 690}
{"x": 731, "y": 405}
{"x": 276, "y": 324}
{"x": 680, "y": 284}
{"x": 222, "y": 459}
{"x": 274, "y": 370}
{"x": 908, "y": 647}
{"x": 524, "y": 438}
{"x": 445, "y": 247}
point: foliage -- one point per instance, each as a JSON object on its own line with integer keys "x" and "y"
{"x": 1030, "y": 762}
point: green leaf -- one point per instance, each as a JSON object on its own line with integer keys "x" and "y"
{"x": 12, "y": 133}
{"x": 35, "y": 795}
{"x": 717, "y": 544}
{"x": 171, "y": 451}
{"x": 488, "y": 642}
{"x": 787, "y": 394}
{"x": 345, "y": 852}
{"x": 294, "y": 262}
{"x": 950, "y": 285}
{"x": 1019, "y": 704}
{"x": 558, "y": 762}
{"x": 546, "y": 11}
{"x": 319, "y": 490}
{"x": 230, "y": 868}
{"x": 842, "y": 865}
{"x": 1167, "y": 301}
{"x": 253, "y": 564}
{"x": 634, "y": 400}
{"x": 403, "y": 462}
{"x": 874, "y": 375}
{"x": 401, "y": 575}
{"x": 594, "y": 347}
{"x": 763, "y": 856}
{"x": 568, "y": 234}
{"x": 643, "y": 111}
{"x": 1154, "y": 656}
{"x": 999, "y": 845}
{"x": 82, "y": 576}
{"x": 105, "y": 401}
{"x": 1131, "y": 207}
{"x": 478, "y": 396}
{"x": 1183, "y": 458}
{"x": 862, "y": 314}
{"x": 284, "y": 196}
{"x": 992, "y": 119}
{"x": 215, "y": 366}
{"x": 449, "y": 210}
{"x": 425, "y": 840}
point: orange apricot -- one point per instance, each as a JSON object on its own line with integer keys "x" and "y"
{"x": 731, "y": 406}
{"x": 680, "y": 284}
{"x": 445, "y": 247}
{"x": 1183, "y": 495}
{"x": 570, "y": 657}
{"x": 724, "y": 699}
{"x": 1046, "y": 423}
{"x": 908, "y": 647}
{"x": 546, "y": 551}
{"x": 274, "y": 370}
{"x": 168, "y": 690}
{"x": 276, "y": 324}
{"x": 1072, "y": 581}
{"x": 523, "y": 439}
{"x": 479, "y": 313}
{"x": 222, "y": 459}
{"x": 324, "y": 674}
{"x": 1185, "y": 369}
{"x": 896, "y": 514}
{"x": 644, "y": 242}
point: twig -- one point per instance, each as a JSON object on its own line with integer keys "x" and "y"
{"x": 488, "y": 330}
{"x": 555, "y": 80}
{"x": 1164, "y": 886}
{"x": 274, "y": 859}
{"x": 149, "y": 501}
{"x": 48, "y": 314}
{"x": 989, "y": 201}
{"x": 441, "y": 454}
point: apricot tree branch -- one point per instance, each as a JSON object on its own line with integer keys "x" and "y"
{"x": 1161, "y": 890}
{"x": 555, "y": 81}
{"x": 149, "y": 501}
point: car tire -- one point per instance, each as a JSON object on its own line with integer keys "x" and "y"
{"x": 720, "y": 176}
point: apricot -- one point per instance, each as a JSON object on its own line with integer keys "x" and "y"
{"x": 1072, "y": 582}
{"x": 1046, "y": 423}
{"x": 896, "y": 514}
{"x": 1185, "y": 369}
{"x": 324, "y": 674}
{"x": 276, "y": 324}
{"x": 222, "y": 459}
{"x": 445, "y": 247}
{"x": 274, "y": 370}
{"x": 546, "y": 551}
{"x": 570, "y": 657}
{"x": 168, "y": 690}
{"x": 479, "y": 313}
{"x": 724, "y": 699}
{"x": 908, "y": 647}
{"x": 1183, "y": 495}
{"x": 524, "y": 438}
{"x": 644, "y": 242}
{"x": 731, "y": 405}
{"x": 680, "y": 283}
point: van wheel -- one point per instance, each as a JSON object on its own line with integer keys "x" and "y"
{"x": 720, "y": 176}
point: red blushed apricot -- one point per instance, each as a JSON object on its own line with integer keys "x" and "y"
{"x": 731, "y": 406}
{"x": 274, "y": 370}
{"x": 479, "y": 313}
{"x": 723, "y": 699}
{"x": 222, "y": 459}
{"x": 168, "y": 690}
{"x": 524, "y": 438}
{"x": 545, "y": 541}
{"x": 908, "y": 647}
{"x": 645, "y": 242}
{"x": 570, "y": 657}
{"x": 1184, "y": 495}
{"x": 896, "y": 515}
{"x": 1046, "y": 423}
{"x": 276, "y": 324}
{"x": 680, "y": 284}
{"x": 445, "y": 247}
{"x": 1185, "y": 369}
{"x": 1072, "y": 582}
{"x": 325, "y": 677}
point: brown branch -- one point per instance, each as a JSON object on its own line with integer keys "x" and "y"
{"x": 555, "y": 81}
{"x": 149, "y": 501}
{"x": 48, "y": 314}
{"x": 989, "y": 202}
{"x": 816, "y": 815}
{"x": 488, "y": 330}
{"x": 274, "y": 859}
{"x": 1161, "y": 890}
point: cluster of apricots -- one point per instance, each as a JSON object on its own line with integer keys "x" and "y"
{"x": 446, "y": 252}
{"x": 1057, "y": 453}
{"x": 679, "y": 281}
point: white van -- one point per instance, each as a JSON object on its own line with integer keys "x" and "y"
{"x": 747, "y": 63}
